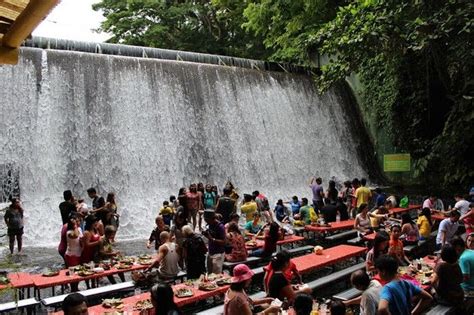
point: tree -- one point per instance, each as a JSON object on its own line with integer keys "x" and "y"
{"x": 202, "y": 26}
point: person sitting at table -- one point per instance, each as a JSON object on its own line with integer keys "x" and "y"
{"x": 447, "y": 229}
{"x": 378, "y": 249}
{"x": 295, "y": 205}
{"x": 378, "y": 217}
{"x": 237, "y": 241}
{"x": 470, "y": 241}
{"x": 409, "y": 230}
{"x": 249, "y": 207}
{"x": 395, "y": 246}
{"x": 369, "y": 299}
{"x": 397, "y": 295}
{"x": 167, "y": 259}
{"x": 75, "y": 304}
{"x": 278, "y": 285}
{"x": 424, "y": 223}
{"x": 290, "y": 273}
{"x": 430, "y": 202}
{"x": 106, "y": 250}
{"x": 362, "y": 221}
{"x": 155, "y": 233}
{"x": 466, "y": 262}
{"x": 447, "y": 278}
{"x": 272, "y": 236}
{"x": 236, "y": 300}
{"x": 234, "y": 217}
{"x": 468, "y": 219}
{"x": 329, "y": 213}
{"x": 307, "y": 214}
{"x": 162, "y": 298}
{"x": 254, "y": 226}
{"x": 303, "y": 304}
{"x": 282, "y": 213}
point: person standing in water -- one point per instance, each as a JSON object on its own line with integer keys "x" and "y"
{"x": 14, "y": 220}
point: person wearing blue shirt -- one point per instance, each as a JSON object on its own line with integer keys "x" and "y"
{"x": 295, "y": 205}
{"x": 281, "y": 212}
{"x": 380, "y": 198}
{"x": 396, "y": 296}
{"x": 466, "y": 262}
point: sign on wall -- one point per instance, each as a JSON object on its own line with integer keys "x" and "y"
{"x": 396, "y": 162}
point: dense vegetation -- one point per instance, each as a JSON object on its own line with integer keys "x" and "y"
{"x": 414, "y": 58}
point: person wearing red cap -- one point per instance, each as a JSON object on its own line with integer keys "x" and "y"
{"x": 237, "y": 302}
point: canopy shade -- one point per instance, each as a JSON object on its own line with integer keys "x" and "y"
{"x": 18, "y": 19}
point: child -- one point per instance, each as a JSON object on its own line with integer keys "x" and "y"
{"x": 166, "y": 212}
{"x": 106, "y": 250}
{"x": 395, "y": 248}
{"x": 379, "y": 248}
{"x": 155, "y": 234}
{"x": 83, "y": 210}
{"x": 369, "y": 300}
{"x": 397, "y": 295}
{"x": 337, "y": 308}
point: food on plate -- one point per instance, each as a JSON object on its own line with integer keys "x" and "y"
{"x": 145, "y": 256}
{"x": 213, "y": 277}
{"x": 251, "y": 243}
{"x": 318, "y": 250}
{"x": 98, "y": 270}
{"x": 190, "y": 282}
{"x": 4, "y": 280}
{"x": 50, "y": 273}
{"x": 207, "y": 286}
{"x": 224, "y": 281}
{"x": 143, "y": 305}
{"x": 184, "y": 292}
{"x": 85, "y": 273}
{"x": 112, "y": 303}
{"x": 127, "y": 260}
{"x": 122, "y": 265}
{"x": 143, "y": 261}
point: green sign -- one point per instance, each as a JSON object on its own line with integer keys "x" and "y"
{"x": 396, "y": 162}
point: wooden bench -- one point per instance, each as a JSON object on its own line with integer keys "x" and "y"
{"x": 348, "y": 294}
{"x": 250, "y": 261}
{"x": 300, "y": 250}
{"x": 439, "y": 310}
{"x": 95, "y": 292}
{"x": 338, "y": 275}
{"x": 355, "y": 241}
{"x": 220, "y": 308}
{"x": 29, "y": 304}
{"x": 341, "y": 236}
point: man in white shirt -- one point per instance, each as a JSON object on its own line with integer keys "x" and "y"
{"x": 461, "y": 205}
{"x": 369, "y": 300}
{"x": 447, "y": 229}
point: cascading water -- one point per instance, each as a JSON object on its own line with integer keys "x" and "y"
{"x": 145, "y": 127}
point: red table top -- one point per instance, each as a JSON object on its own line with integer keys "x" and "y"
{"x": 329, "y": 257}
{"x": 44, "y": 282}
{"x": 129, "y": 302}
{"x": 18, "y": 280}
{"x": 401, "y": 210}
{"x": 288, "y": 239}
{"x": 335, "y": 226}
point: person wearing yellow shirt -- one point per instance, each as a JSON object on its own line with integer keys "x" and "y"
{"x": 363, "y": 194}
{"x": 424, "y": 223}
{"x": 248, "y": 208}
{"x": 167, "y": 212}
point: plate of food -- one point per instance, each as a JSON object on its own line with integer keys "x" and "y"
{"x": 251, "y": 243}
{"x": 190, "y": 282}
{"x": 224, "y": 281}
{"x": 50, "y": 273}
{"x": 127, "y": 260}
{"x": 122, "y": 265}
{"x": 207, "y": 286}
{"x": 184, "y": 292}
{"x": 143, "y": 305}
{"x": 4, "y": 280}
{"x": 85, "y": 273}
{"x": 145, "y": 262}
{"x": 145, "y": 256}
{"x": 112, "y": 303}
{"x": 98, "y": 270}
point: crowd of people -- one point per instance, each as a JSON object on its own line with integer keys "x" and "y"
{"x": 182, "y": 242}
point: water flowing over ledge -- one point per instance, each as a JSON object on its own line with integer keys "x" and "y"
{"x": 144, "y": 127}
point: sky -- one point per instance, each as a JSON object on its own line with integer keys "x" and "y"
{"x": 73, "y": 19}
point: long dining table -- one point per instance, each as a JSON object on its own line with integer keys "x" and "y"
{"x": 289, "y": 239}
{"x": 332, "y": 227}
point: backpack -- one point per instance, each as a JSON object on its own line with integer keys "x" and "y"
{"x": 196, "y": 247}
{"x": 403, "y": 202}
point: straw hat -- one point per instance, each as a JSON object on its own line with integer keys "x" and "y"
{"x": 242, "y": 273}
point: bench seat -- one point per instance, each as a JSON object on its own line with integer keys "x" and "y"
{"x": 338, "y": 275}
{"x": 342, "y": 236}
{"x": 439, "y": 310}
{"x": 250, "y": 260}
{"x": 300, "y": 250}
{"x": 95, "y": 292}
{"x": 20, "y": 304}
{"x": 348, "y": 294}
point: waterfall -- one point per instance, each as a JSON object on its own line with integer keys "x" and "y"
{"x": 143, "y": 128}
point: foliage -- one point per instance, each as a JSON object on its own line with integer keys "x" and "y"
{"x": 415, "y": 61}
{"x": 203, "y": 26}
{"x": 286, "y": 24}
